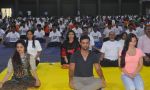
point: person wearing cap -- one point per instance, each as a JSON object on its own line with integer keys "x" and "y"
{"x": 143, "y": 44}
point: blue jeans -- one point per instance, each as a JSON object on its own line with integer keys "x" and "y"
{"x": 133, "y": 84}
{"x": 98, "y": 44}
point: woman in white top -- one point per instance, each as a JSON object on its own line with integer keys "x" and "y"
{"x": 33, "y": 46}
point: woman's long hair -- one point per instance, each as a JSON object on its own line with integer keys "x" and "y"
{"x": 125, "y": 49}
{"x": 33, "y": 43}
{"x": 75, "y": 41}
{"x": 16, "y": 59}
{"x": 67, "y": 36}
{"x": 123, "y": 35}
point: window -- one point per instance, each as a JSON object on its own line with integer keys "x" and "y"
{"x": 6, "y": 12}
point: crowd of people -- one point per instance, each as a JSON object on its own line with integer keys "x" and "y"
{"x": 107, "y": 41}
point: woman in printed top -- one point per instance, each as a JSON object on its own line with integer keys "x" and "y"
{"x": 131, "y": 62}
{"x": 69, "y": 47}
{"x": 23, "y": 68}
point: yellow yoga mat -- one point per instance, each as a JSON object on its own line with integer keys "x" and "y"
{"x": 54, "y": 78}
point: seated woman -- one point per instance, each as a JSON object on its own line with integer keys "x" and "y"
{"x": 69, "y": 47}
{"x": 130, "y": 63}
{"x": 23, "y": 68}
{"x": 33, "y": 46}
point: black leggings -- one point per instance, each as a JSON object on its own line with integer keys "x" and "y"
{"x": 109, "y": 63}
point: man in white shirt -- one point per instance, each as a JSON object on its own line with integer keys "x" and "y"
{"x": 110, "y": 51}
{"x": 131, "y": 30}
{"x": 106, "y": 32}
{"x": 23, "y": 30}
{"x": 118, "y": 30}
{"x": 85, "y": 32}
{"x": 54, "y": 37}
{"x": 11, "y": 37}
{"x": 140, "y": 30}
{"x": 97, "y": 38}
{"x": 39, "y": 34}
{"x": 78, "y": 31}
{"x": 61, "y": 26}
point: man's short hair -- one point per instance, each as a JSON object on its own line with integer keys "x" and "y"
{"x": 84, "y": 37}
{"x": 38, "y": 25}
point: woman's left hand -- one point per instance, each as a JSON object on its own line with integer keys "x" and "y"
{"x": 37, "y": 83}
{"x": 133, "y": 75}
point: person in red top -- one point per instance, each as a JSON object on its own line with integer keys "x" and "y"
{"x": 46, "y": 29}
{"x": 69, "y": 47}
{"x": 71, "y": 25}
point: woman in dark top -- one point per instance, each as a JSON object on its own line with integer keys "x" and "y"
{"x": 69, "y": 46}
{"x": 23, "y": 68}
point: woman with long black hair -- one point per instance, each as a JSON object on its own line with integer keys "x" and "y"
{"x": 69, "y": 46}
{"x": 23, "y": 68}
{"x": 131, "y": 62}
{"x": 33, "y": 46}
